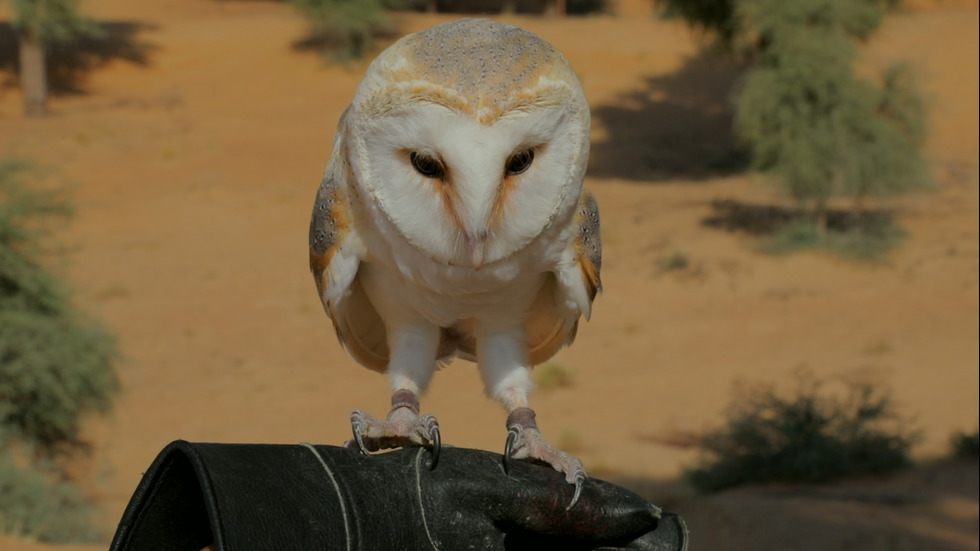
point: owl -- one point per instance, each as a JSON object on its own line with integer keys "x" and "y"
{"x": 452, "y": 221}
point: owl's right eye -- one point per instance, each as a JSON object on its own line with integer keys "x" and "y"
{"x": 425, "y": 165}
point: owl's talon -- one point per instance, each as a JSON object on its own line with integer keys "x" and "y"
{"x": 512, "y": 436}
{"x": 579, "y": 482}
{"x": 356, "y": 427}
{"x": 436, "y": 443}
{"x": 429, "y": 429}
{"x": 402, "y": 428}
{"x": 360, "y": 444}
{"x": 525, "y": 441}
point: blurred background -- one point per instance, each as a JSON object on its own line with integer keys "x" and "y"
{"x": 786, "y": 347}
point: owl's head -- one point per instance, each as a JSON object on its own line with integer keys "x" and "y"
{"x": 471, "y": 137}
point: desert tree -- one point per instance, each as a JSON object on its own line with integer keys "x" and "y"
{"x": 810, "y": 121}
{"x": 716, "y": 17}
{"x": 39, "y": 23}
{"x": 803, "y": 114}
{"x": 723, "y": 18}
{"x": 345, "y": 28}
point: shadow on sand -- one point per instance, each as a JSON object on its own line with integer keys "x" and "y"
{"x": 70, "y": 63}
{"x": 761, "y": 220}
{"x": 679, "y": 126}
{"x": 927, "y": 507}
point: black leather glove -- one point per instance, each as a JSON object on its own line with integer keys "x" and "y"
{"x": 304, "y": 497}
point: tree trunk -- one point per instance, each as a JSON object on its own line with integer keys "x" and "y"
{"x": 821, "y": 221}
{"x": 553, "y": 8}
{"x": 33, "y": 74}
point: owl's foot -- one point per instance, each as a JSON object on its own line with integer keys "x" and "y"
{"x": 402, "y": 428}
{"x": 525, "y": 441}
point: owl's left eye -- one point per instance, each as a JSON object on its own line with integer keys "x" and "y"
{"x": 520, "y": 162}
{"x": 425, "y": 165}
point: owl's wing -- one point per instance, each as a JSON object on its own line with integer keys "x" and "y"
{"x": 553, "y": 319}
{"x": 335, "y": 257}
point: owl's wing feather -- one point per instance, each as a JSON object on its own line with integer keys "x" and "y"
{"x": 335, "y": 258}
{"x": 589, "y": 248}
{"x": 553, "y": 319}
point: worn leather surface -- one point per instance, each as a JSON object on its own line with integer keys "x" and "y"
{"x": 266, "y": 496}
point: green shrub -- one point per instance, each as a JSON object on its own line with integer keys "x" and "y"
{"x": 867, "y": 239}
{"x": 808, "y": 121}
{"x": 56, "y": 365}
{"x": 714, "y": 16}
{"x": 554, "y": 374}
{"x": 810, "y": 436}
{"x": 966, "y": 446}
{"x": 344, "y": 29}
{"x": 34, "y": 503}
{"x": 724, "y": 19}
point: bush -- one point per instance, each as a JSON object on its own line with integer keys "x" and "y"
{"x": 810, "y": 122}
{"x": 966, "y": 446}
{"x": 345, "y": 29}
{"x": 713, "y": 16}
{"x": 56, "y": 364}
{"x": 866, "y": 238}
{"x": 724, "y": 19}
{"x": 35, "y": 503}
{"x": 804, "y": 116}
{"x": 811, "y": 436}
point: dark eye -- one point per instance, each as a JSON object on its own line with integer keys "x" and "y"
{"x": 519, "y": 162}
{"x": 426, "y": 165}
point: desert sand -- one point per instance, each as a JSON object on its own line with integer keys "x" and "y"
{"x": 195, "y": 148}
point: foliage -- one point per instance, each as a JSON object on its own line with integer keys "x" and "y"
{"x": 725, "y": 18}
{"x": 966, "y": 446}
{"x": 810, "y": 436}
{"x": 39, "y": 24}
{"x": 673, "y": 261}
{"x": 810, "y": 122}
{"x": 867, "y": 237}
{"x": 804, "y": 116}
{"x": 345, "y": 28}
{"x": 55, "y": 366}
{"x": 53, "y": 20}
{"x": 587, "y": 7}
{"x": 713, "y": 16}
{"x": 554, "y": 374}
{"x": 35, "y": 504}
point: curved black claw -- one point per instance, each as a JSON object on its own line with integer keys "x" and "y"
{"x": 579, "y": 482}
{"x": 355, "y": 425}
{"x": 512, "y": 436}
{"x": 525, "y": 440}
{"x": 436, "y": 443}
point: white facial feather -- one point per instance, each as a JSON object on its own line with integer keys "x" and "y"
{"x": 438, "y": 215}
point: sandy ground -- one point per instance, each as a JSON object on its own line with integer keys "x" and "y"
{"x": 197, "y": 144}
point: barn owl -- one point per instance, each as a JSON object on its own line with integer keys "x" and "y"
{"x": 452, "y": 221}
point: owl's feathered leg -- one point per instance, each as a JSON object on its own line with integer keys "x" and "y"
{"x": 410, "y": 370}
{"x": 502, "y": 362}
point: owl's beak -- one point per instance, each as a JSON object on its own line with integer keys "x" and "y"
{"x": 478, "y": 246}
